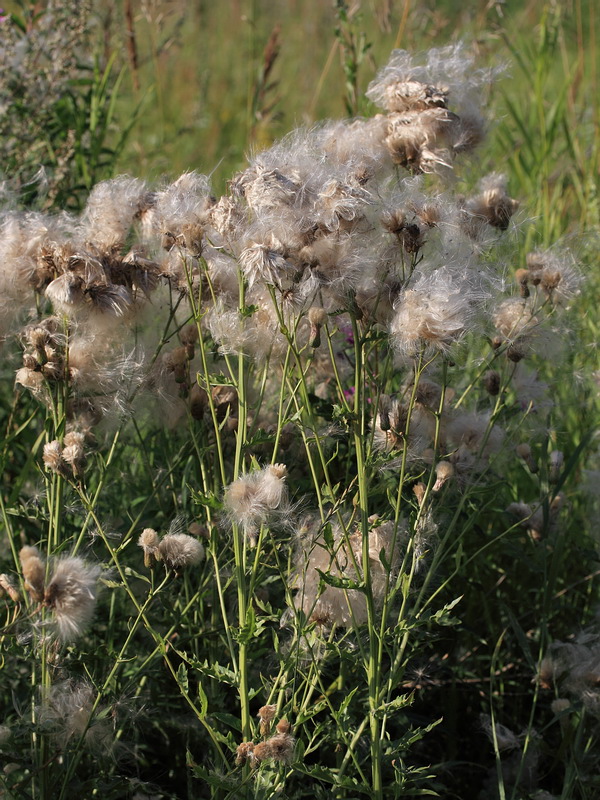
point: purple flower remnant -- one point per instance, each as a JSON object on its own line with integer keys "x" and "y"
{"x": 346, "y": 329}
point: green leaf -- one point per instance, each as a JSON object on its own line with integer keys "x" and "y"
{"x": 209, "y": 500}
{"x": 203, "y": 700}
{"x": 402, "y": 701}
{"x": 245, "y": 634}
{"x": 443, "y": 617}
{"x": 341, "y": 583}
{"x": 182, "y": 678}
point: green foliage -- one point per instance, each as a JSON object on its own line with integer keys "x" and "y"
{"x": 58, "y": 115}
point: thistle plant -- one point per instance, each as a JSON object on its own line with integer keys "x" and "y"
{"x": 326, "y": 387}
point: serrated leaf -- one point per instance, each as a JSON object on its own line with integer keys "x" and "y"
{"x": 341, "y": 583}
{"x": 416, "y": 734}
{"x": 208, "y": 500}
{"x": 347, "y": 700}
{"x": 247, "y": 632}
{"x": 215, "y": 670}
{"x": 443, "y": 617}
{"x": 182, "y": 678}
{"x": 330, "y": 496}
{"x": 402, "y": 701}
{"x": 203, "y": 700}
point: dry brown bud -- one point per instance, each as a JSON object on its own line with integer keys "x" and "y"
{"x": 7, "y": 585}
{"x": 560, "y": 705}
{"x": 199, "y": 531}
{"x": 189, "y": 335}
{"x": 429, "y": 214}
{"x": 245, "y": 752}
{"x": 522, "y": 278}
{"x": 514, "y": 353}
{"x": 198, "y": 402}
{"x": 550, "y": 280}
{"x": 317, "y": 316}
{"x": 262, "y": 751}
{"x": 385, "y": 404}
{"x": 545, "y": 674}
{"x": 444, "y": 470}
{"x": 225, "y": 400}
{"x": 266, "y": 715}
{"x": 419, "y": 490}
{"x": 283, "y": 726}
{"x": 149, "y": 542}
{"x": 34, "y": 572}
{"x": 491, "y": 381}
{"x": 73, "y": 452}
{"x": 53, "y": 459}
{"x": 524, "y": 451}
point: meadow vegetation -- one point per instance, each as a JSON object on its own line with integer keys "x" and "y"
{"x": 300, "y": 400}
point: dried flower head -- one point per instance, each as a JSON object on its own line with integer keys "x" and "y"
{"x": 149, "y": 542}
{"x": 281, "y": 747}
{"x": 53, "y": 459}
{"x": 71, "y": 594}
{"x": 73, "y": 452}
{"x": 283, "y": 726}
{"x": 556, "y": 462}
{"x": 178, "y": 550}
{"x": 34, "y": 572}
{"x": 556, "y": 273}
{"x": 435, "y": 312}
{"x": 67, "y": 713}
{"x": 317, "y": 317}
{"x": 523, "y": 450}
{"x": 244, "y": 752}
{"x": 505, "y": 739}
{"x": 444, "y": 471}
{"x": 493, "y": 203}
{"x": 257, "y": 498}
{"x": 266, "y": 714}
{"x": 8, "y": 587}
{"x": 491, "y": 381}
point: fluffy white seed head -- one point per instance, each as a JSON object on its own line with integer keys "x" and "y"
{"x": 257, "y": 498}
{"x": 71, "y": 593}
{"x": 433, "y": 313}
{"x": 110, "y": 211}
{"x": 178, "y": 550}
{"x": 67, "y": 713}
